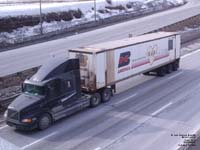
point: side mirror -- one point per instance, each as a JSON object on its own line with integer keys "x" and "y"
{"x": 22, "y": 87}
{"x": 47, "y": 92}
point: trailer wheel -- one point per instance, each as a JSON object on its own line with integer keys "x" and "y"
{"x": 106, "y": 94}
{"x": 95, "y": 100}
{"x": 44, "y": 121}
{"x": 169, "y": 68}
{"x": 161, "y": 71}
{"x": 175, "y": 65}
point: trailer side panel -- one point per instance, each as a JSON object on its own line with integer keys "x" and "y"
{"x": 109, "y": 66}
{"x": 134, "y": 59}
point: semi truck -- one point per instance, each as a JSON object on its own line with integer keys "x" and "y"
{"x": 88, "y": 77}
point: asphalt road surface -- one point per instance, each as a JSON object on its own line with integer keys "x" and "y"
{"x": 35, "y": 55}
{"x": 152, "y": 115}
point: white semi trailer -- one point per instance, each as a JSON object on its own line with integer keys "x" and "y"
{"x": 105, "y": 64}
{"x": 88, "y": 77}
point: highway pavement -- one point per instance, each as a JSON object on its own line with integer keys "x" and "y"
{"x": 152, "y": 115}
{"x": 31, "y": 56}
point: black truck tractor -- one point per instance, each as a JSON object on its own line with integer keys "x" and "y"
{"x": 52, "y": 93}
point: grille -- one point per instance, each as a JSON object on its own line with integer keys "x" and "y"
{"x": 12, "y": 114}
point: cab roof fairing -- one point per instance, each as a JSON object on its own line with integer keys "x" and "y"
{"x": 48, "y": 71}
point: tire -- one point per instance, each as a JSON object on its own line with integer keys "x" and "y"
{"x": 161, "y": 71}
{"x": 175, "y": 65}
{"x": 44, "y": 121}
{"x": 106, "y": 94}
{"x": 95, "y": 100}
{"x": 169, "y": 68}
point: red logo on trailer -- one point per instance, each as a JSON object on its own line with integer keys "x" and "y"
{"x": 124, "y": 59}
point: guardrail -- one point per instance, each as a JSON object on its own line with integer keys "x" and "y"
{"x": 187, "y": 36}
{"x": 82, "y": 27}
{"x": 5, "y": 102}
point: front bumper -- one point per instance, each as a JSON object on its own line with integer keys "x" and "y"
{"x": 21, "y": 126}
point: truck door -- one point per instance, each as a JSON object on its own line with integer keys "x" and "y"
{"x": 61, "y": 94}
{"x": 54, "y": 95}
{"x": 69, "y": 93}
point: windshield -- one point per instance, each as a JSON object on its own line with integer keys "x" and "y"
{"x": 33, "y": 89}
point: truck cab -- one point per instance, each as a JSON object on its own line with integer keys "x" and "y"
{"x": 52, "y": 93}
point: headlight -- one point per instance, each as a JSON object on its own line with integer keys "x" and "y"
{"x": 6, "y": 114}
{"x": 27, "y": 120}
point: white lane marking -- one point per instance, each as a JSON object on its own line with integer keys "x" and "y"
{"x": 3, "y": 127}
{"x": 98, "y": 148}
{"x": 175, "y": 75}
{"x": 125, "y": 99}
{"x": 39, "y": 140}
{"x": 189, "y": 54}
{"x": 161, "y": 109}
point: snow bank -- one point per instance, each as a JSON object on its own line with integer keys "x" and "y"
{"x": 34, "y": 9}
{"x": 16, "y": 14}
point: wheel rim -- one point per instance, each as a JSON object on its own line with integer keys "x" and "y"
{"x": 170, "y": 68}
{"x": 95, "y": 100}
{"x": 163, "y": 71}
{"x": 175, "y": 66}
{"x": 45, "y": 122}
{"x": 105, "y": 94}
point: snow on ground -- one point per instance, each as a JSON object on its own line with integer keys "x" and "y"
{"x": 33, "y": 1}
{"x": 34, "y": 9}
{"x": 87, "y": 8}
